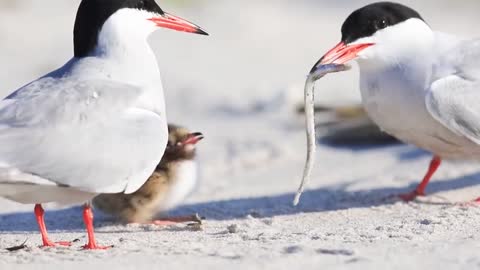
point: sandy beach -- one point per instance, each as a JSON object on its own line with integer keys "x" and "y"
{"x": 240, "y": 88}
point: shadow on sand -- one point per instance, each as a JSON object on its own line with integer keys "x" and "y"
{"x": 319, "y": 200}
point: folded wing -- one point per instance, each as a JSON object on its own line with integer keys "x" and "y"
{"x": 454, "y": 98}
{"x": 87, "y": 135}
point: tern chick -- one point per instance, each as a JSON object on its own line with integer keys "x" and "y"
{"x": 172, "y": 181}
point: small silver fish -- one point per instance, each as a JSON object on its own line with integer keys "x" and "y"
{"x": 316, "y": 74}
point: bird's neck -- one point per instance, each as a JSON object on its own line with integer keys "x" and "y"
{"x": 413, "y": 66}
{"x": 129, "y": 57}
{"x": 124, "y": 47}
{"x": 123, "y": 37}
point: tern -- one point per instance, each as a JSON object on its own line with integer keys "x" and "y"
{"x": 95, "y": 125}
{"x": 419, "y": 85}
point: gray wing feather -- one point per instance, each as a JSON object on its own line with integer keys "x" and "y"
{"x": 67, "y": 101}
{"x": 454, "y": 100}
{"x": 88, "y": 135}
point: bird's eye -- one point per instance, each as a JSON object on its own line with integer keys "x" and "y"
{"x": 141, "y": 4}
{"x": 380, "y": 24}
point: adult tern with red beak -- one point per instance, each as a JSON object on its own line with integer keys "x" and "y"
{"x": 95, "y": 125}
{"x": 419, "y": 85}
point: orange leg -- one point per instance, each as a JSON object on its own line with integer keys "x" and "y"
{"x": 88, "y": 220}
{"x": 420, "y": 190}
{"x": 39, "y": 215}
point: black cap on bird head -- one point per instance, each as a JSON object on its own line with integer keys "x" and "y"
{"x": 92, "y": 15}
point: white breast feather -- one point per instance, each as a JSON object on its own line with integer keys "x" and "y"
{"x": 183, "y": 184}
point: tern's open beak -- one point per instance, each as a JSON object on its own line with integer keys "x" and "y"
{"x": 193, "y": 138}
{"x": 341, "y": 54}
{"x": 176, "y": 23}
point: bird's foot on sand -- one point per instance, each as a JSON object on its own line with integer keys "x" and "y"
{"x": 47, "y": 243}
{"x": 88, "y": 219}
{"x": 472, "y": 203}
{"x": 94, "y": 246}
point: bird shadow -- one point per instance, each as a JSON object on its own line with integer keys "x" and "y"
{"x": 326, "y": 199}
{"x": 318, "y": 200}
{"x": 336, "y": 197}
{"x": 402, "y": 151}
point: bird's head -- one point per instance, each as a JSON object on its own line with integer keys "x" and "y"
{"x": 128, "y": 18}
{"x": 181, "y": 143}
{"x": 379, "y": 34}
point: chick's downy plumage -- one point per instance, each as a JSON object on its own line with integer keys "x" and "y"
{"x": 172, "y": 181}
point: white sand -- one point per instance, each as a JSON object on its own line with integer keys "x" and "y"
{"x": 239, "y": 87}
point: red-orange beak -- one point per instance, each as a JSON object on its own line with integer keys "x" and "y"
{"x": 193, "y": 138}
{"x": 341, "y": 54}
{"x": 176, "y": 23}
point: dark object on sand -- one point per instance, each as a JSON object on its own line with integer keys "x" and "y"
{"x": 17, "y": 248}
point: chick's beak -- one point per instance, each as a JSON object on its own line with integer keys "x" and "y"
{"x": 176, "y": 23}
{"x": 193, "y": 138}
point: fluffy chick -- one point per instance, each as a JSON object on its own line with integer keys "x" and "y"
{"x": 172, "y": 181}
